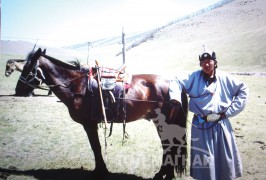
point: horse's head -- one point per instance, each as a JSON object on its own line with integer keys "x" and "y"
{"x": 14, "y": 64}
{"x": 28, "y": 78}
{"x": 10, "y": 67}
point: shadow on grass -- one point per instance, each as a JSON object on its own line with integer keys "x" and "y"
{"x": 8, "y": 95}
{"x": 36, "y": 95}
{"x": 58, "y": 174}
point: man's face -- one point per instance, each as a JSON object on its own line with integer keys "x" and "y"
{"x": 208, "y": 66}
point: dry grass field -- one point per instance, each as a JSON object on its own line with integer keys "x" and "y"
{"x": 39, "y": 139}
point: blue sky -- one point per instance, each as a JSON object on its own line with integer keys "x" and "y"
{"x": 67, "y": 22}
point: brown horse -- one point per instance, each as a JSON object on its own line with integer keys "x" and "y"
{"x": 147, "y": 97}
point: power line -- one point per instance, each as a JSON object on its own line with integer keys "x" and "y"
{"x": 34, "y": 39}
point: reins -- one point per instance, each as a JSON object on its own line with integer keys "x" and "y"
{"x": 151, "y": 101}
{"x": 124, "y": 99}
{"x": 168, "y": 103}
{"x": 47, "y": 87}
{"x": 28, "y": 82}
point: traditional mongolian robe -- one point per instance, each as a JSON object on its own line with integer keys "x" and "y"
{"x": 214, "y": 153}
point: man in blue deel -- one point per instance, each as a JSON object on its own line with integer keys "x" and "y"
{"x": 215, "y": 96}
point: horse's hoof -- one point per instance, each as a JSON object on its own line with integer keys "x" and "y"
{"x": 169, "y": 178}
{"x": 158, "y": 176}
{"x": 164, "y": 175}
{"x": 100, "y": 173}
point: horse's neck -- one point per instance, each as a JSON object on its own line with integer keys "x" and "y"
{"x": 52, "y": 74}
{"x": 19, "y": 66}
{"x": 53, "y": 80}
{"x": 61, "y": 84}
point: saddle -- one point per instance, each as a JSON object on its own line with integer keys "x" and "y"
{"x": 109, "y": 77}
{"x": 114, "y": 84}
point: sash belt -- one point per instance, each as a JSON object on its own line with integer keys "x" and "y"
{"x": 201, "y": 119}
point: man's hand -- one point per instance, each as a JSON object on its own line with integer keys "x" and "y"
{"x": 213, "y": 117}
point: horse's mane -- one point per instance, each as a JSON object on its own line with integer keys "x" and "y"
{"x": 29, "y": 56}
{"x": 75, "y": 62}
{"x": 72, "y": 65}
{"x": 17, "y": 60}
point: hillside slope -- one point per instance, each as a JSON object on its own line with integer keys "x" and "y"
{"x": 20, "y": 49}
{"x": 236, "y": 31}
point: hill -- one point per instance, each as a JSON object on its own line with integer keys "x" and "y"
{"x": 20, "y": 49}
{"x": 236, "y": 31}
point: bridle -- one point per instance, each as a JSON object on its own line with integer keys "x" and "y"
{"x": 32, "y": 75}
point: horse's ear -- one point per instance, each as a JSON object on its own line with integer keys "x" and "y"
{"x": 44, "y": 52}
{"x": 39, "y": 49}
{"x": 36, "y": 55}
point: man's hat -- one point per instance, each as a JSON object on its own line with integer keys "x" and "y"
{"x": 207, "y": 55}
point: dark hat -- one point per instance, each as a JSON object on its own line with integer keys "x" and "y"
{"x": 207, "y": 55}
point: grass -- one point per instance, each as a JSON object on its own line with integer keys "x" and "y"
{"x": 37, "y": 133}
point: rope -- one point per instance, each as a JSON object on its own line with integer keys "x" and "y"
{"x": 197, "y": 126}
{"x": 125, "y": 135}
{"x": 22, "y": 79}
{"x": 151, "y": 101}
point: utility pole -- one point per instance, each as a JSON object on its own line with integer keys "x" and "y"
{"x": 123, "y": 48}
{"x": 89, "y": 45}
{"x": 34, "y": 44}
{"x": 0, "y": 18}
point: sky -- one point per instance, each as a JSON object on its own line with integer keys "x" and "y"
{"x": 60, "y": 23}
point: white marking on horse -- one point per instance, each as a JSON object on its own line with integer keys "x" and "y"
{"x": 169, "y": 131}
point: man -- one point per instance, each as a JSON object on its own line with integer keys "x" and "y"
{"x": 214, "y": 97}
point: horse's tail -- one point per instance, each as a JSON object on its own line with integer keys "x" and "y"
{"x": 178, "y": 117}
{"x": 183, "y": 111}
{"x": 182, "y": 122}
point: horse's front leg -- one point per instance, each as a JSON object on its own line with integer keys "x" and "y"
{"x": 100, "y": 166}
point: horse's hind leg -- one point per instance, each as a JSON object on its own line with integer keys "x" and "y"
{"x": 167, "y": 168}
{"x": 100, "y": 166}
